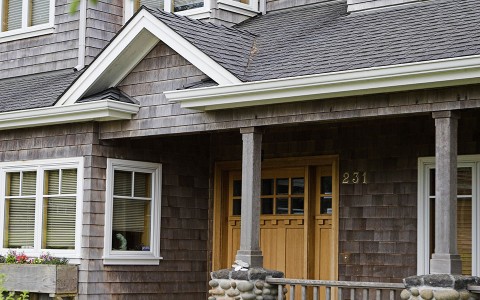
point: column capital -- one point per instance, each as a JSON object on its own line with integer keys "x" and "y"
{"x": 252, "y": 129}
{"x": 446, "y": 114}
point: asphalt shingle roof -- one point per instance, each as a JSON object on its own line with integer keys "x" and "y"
{"x": 109, "y": 94}
{"x": 323, "y": 38}
{"x": 34, "y": 91}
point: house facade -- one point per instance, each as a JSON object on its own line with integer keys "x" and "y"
{"x": 137, "y": 136}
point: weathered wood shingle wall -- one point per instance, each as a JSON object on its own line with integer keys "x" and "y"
{"x": 43, "y": 53}
{"x": 182, "y": 274}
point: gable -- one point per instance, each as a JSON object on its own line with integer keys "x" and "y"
{"x": 138, "y": 37}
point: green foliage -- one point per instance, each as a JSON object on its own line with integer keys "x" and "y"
{"x": 6, "y": 295}
{"x": 76, "y": 3}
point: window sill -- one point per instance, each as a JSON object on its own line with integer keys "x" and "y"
{"x": 237, "y": 7}
{"x": 196, "y": 13}
{"x": 28, "y": 32}
{"x": 132, "y": 260}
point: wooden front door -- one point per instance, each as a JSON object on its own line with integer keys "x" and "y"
{"x": 298, "y": 231}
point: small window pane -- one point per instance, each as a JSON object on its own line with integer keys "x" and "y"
{"x": 267, "y": 206}
{"x": 282, "y": 206}
{"x": 52, "y": 178}
{"x": 297, "y": 206}
{"x": 59, "y": 223}
{"x": 122, "y": 185}
{"x": 282, "y": 186}
{"x": 131, "y": 225}
{"x": 142, "y": 185}
{"x": 237, "y": 188}
{"x": 12, "y": 186}
{"x": 432, "y": 182}
{"x": 181, "y": 5}
{"x": 464, "y": 182}
{"x": 267, "y": 186}
{"x": 237, "y": 207}
{"x": 13, "y": 14}
{"x": 40, "y": 12}
{"x": 69, "y": 181}
{"x": 151, "y": 4}
{"x": 19, "y": 223}
{"x": 298, "y": 186}
{"x": 326, "y": 185}
{"x": 29, "y": 184}
{"x": 326, "y": 205}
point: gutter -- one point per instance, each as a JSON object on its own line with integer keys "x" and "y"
{"x": 395, "y": 78}
{"x": 82, "y": 29}
{"x": 103, "y": 110}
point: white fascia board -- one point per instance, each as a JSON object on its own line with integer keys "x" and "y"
{"x": 141, "y": 34}
{"x": 103, "y": 110}
{"x": 421, "y": 75}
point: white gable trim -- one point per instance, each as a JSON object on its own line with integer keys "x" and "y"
{"x": 421, "y": 75}
{"x": 102, "y": 110}
{"x": 129, "y": 47}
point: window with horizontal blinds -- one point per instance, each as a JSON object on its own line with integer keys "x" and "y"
{"x": 59, "y": 209}
{"x": 131, "y": 211}
{"x": 40, "y": 12}
{"x": 151, "y": 3}
{"x": 19, "y": 225}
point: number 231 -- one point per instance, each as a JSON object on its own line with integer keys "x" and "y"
{"x": 354, "y": 177}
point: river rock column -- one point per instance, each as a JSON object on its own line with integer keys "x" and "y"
{"x": 439, "y": 287}
{"x": 249, "y": 251}
{"x": 229, "y": 284}
{"x": 445, "y": 258}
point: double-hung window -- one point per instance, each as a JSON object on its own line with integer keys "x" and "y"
{"x": 132, "y": 214}
{"x": 468, "y": 213}
{"x": 40, "y": 207}
{"x": 25, "y": 18}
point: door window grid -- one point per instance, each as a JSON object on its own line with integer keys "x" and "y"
{"x": 279, "y": 196}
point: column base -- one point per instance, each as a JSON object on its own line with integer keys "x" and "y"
{"x": 253, "y": 257}
{"x": 445, "y": 264}
{"x": 228, "y": 284}
{"x": 438, "y": 286}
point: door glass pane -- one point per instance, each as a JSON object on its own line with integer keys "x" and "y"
{"x": 432, "y": 182}
{"x": 326, "y": 185}
{"x": 282, "y": 206}
{"x": 298, "y": 186}
{"x": 267, "y": 206}
{"x": 282, "y": 186}
{"x": 297, "y": 206}
{"x": 267, "y": 187}
{"x": 237, "y": 207}
{"x": 326, "y": 205}
{"x": 237, "y": 188}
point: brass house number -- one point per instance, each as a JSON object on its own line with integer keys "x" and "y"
{"x": 354, "y": 177}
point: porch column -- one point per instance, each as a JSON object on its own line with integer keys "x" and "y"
{"x": 249, "y": 251}
{"x": 445, "y": 258}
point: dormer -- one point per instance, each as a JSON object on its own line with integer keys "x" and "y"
{"x": 361, "y": 5}
{"x": 25, "y": 18}
{"x": 225, "y": 12}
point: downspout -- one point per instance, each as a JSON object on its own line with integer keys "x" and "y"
{"x": 82, "y": 28}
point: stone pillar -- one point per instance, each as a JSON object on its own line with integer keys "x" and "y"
{"x": 439, "y": 287}
{"x": 445, "y": 258}
{"x": 249, "y": 251}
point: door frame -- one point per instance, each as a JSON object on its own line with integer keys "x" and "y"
{"x": 220, "y": 208}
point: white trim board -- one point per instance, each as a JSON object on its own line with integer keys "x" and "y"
{"x": 102, "y": 110}
{"x": 395, "y": 78}
{"x": 129, "y": 47}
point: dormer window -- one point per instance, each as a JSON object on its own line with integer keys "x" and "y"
{"x": 196, "y": 9}
{"x": 25, "y": 18}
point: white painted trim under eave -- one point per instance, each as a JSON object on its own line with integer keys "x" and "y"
{"x": 157, "y": 30}
{"x": 102, "y": 110}
{"x": 420, "y": 75}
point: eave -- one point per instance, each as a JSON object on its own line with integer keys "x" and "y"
{"x": 395, "y": 78}
{"x": 103, "y": 110}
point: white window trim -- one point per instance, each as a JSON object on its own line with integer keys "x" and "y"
{"x": 40, "y": 166}
{"x": 28, "y": 31}
{"x": 425, "y": 164}
{"x": 195, "y": 13}
{"x": 152, "y": 257}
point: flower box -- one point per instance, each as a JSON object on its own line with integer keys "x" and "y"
{"x": 43, "y": 279}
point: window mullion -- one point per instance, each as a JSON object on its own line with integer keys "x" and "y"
{"x": 38, "y": 232}
{"x": 2, "y": 204}
{"x": 26, "y": 9}
{"x": 2, "y": 12}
